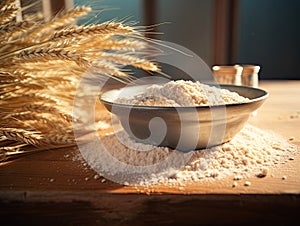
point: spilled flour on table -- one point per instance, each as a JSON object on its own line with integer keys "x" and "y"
{"x": 252, "y": 152}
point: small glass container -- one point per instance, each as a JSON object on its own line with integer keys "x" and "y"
{"x": 250, "y": 78}
{"x": 228, "y": 74}
{"x": 250, "y": 75}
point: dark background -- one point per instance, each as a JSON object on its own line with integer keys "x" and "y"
{"x": 262, "y": 32}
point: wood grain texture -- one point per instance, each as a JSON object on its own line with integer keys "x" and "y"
{"x": 52, "y": 185}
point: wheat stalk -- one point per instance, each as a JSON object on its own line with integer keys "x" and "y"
{"x": 41, "y": 65}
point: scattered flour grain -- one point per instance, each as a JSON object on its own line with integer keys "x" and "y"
{"x": 252, "y": 151}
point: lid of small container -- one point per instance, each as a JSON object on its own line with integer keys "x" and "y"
{"x": 250, "y": 69}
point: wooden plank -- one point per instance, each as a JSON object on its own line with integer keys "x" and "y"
{"x": 56, "y": 169}
{"x": 91, "y": 208}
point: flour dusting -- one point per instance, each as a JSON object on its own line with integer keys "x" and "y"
{"x": 252, "y": 152}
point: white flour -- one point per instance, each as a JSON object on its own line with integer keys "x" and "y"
{"x": 183, "y": 93}
{"x": 251, "y": 153}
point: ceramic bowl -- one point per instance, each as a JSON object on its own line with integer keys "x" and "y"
{"x": 184, "y": 128}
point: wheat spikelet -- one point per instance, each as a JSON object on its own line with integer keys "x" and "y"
{"x": 8, "y": 29}
{"x": 6, "y": 75}
{"x": 8, "y": 16}
{"x": 56, "y": 139}
{"x": 69, "y": 17}
{"x": 103, "y": 43}
{"x": 8, "y": 12}
{"x": 27, "y": 97}
{"x": 5, "y": 4}
{"x": 85, "y": 31}
{"x": 47, "y": 108}
{"x": 24, "y": 84}
{"x": 36, "y": 107}
{"x": 36, "y": 121}
{"x": 28, "y": 80}
{"x": 12, "y": 148}
{"x": 40, "y": 69}
{"x": 46, "y": 54}
{"x": 124, "y": 45}
{"x": 108, "y": 69}
{"x": 21, "y": 135}
{"x": 7, "y": 78}
{"x": 131, "y": 60}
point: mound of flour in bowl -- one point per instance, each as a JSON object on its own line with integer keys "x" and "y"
{"x": 183, "y": 93}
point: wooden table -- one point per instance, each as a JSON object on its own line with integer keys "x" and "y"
{"x": 51, "y": 188}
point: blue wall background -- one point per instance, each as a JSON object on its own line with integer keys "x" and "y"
{"x": 270, "y": 35}
{"x": 268, "y": 30}
{"x": 114, "y": 9}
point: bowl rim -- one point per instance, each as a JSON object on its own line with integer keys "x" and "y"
{"x": 223, "y": 86}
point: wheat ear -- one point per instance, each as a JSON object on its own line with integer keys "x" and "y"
{"x": 131, "y": 60}
{"x": 91, "y": 30}
{"x": 21, "y": 135}
{"x": 45, "y": 54}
